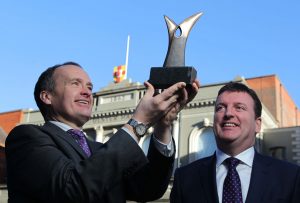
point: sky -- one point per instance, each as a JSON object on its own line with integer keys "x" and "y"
{"x": 248, "y": 38}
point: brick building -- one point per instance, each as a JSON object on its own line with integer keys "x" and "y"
{"x": 8, "y": 120}
{"x": 276, "y": 98}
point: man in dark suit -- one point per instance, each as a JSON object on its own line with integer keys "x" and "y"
{"x": 255, "y": 178}
{"x": 55, "y": 163}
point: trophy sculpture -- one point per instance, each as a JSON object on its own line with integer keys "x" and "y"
{"x": 174, "y": 69}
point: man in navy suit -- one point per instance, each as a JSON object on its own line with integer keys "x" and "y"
{"x": 261, "y": 179}
{"x": 55, "y": 163}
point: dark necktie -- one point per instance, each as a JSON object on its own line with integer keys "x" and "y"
{"x": 79, "y": 136}
{"x": 232, "y": 190}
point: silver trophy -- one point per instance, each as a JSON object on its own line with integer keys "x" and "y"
{"x": 174, "y": 69}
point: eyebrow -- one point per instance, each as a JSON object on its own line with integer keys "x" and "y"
{"x": 80, "y": 80}
{"x": 234, "y": 104}
{"x": 240, "y": 103}
{"x": 220, "y": 103}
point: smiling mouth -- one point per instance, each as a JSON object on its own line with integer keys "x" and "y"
{"x": 229, "y": 124}
{"x": 83, "y": 102}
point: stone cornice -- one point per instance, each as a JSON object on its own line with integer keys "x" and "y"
{"x": 201, "y": 103}
{"x": 193, "y": 104}
{"x": 112, "y": 113}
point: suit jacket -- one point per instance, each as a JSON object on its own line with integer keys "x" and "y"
{"x": 271, "y": 180}
{"x": 45, "y": 164}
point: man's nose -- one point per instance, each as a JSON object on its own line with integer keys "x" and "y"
{"x": 228, "y": 112}
{"x": 86, "y": 91}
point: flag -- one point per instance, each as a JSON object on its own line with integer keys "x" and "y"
{"x": 119, "y": 73}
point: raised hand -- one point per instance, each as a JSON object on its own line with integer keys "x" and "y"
{"x": 163, "y": 126}
{"x": 153, "y": 107}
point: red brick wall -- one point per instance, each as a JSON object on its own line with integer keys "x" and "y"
{"x": 8, "y": 120}
{"x": 276, "y": 98}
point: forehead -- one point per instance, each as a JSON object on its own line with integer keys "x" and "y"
{"x": 235, "y": 97}
{"x": 70, "y": 72}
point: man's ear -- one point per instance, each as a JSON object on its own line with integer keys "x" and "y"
{"x": 45, "y": 96}
{"x": 258, "y": 124}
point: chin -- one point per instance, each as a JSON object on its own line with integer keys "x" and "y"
{"x": 82, "y": 121}
{"x": 84, "y": 117}
{"x": 228, "y": 137}
{"x": 85, "y": 112}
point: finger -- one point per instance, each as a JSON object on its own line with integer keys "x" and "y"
{"x": 170, "y": 103}
{"x": 192, "y": 92}
{"x": 176, "y": 108}
{"x": 173, "y": 113}
{"x": 185, "y": 96}
{"x": 178, "y": 99}
{"x": 167, "y": 93}
{"x": 150, "y": 89}
{"x": 197, "y": 83}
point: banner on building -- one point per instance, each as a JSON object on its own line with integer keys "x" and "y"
{"x": 119, "y": 73}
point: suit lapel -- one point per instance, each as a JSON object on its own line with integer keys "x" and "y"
{"x": 258, "y": 181}
{"x": 94, "y": 146}
{"x": 57, "y": 132}
{"x": 208, "y": 179}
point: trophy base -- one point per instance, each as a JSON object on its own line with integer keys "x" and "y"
{"x": 164, "y": 77}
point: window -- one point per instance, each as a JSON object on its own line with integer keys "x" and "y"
{"x": 206, "y": 143}
{"x": 202, "y": 143}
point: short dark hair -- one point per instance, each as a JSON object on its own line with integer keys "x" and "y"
{"x": 240, "y": 87}
{"x": 46, "y": 82}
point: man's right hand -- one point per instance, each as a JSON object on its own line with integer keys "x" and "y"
{"x": 152, "y": 107}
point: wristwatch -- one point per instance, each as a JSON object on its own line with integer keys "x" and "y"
{"x": 139, "y": 128}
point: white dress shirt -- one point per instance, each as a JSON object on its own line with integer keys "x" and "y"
{"x": 244, "y": 170}
{"x": 165, "y": 149}
{"x": 61, "y": 125}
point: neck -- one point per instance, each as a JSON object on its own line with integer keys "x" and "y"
{"x": 71, "y": 124}
{"x": 232, "y": 151}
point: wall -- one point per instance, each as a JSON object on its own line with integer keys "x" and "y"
{"x": 8, "y": 120}
{"x": 276, "y": 98}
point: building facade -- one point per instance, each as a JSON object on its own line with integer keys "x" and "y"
{"x": 8, "y": 120}
{"x": 192, "y": 131}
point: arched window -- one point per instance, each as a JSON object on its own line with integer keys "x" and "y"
{"x": 202, "y": 143}
{"x": 206, "y": 143}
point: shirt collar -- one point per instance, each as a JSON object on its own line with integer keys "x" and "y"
{"x": 246, "y": 157}
{"x": 61, "y": 125}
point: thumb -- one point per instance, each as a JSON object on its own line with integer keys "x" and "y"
{"x": 150, "y": 89}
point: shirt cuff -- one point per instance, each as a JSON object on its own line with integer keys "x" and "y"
{"x": 165, "y": 149}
